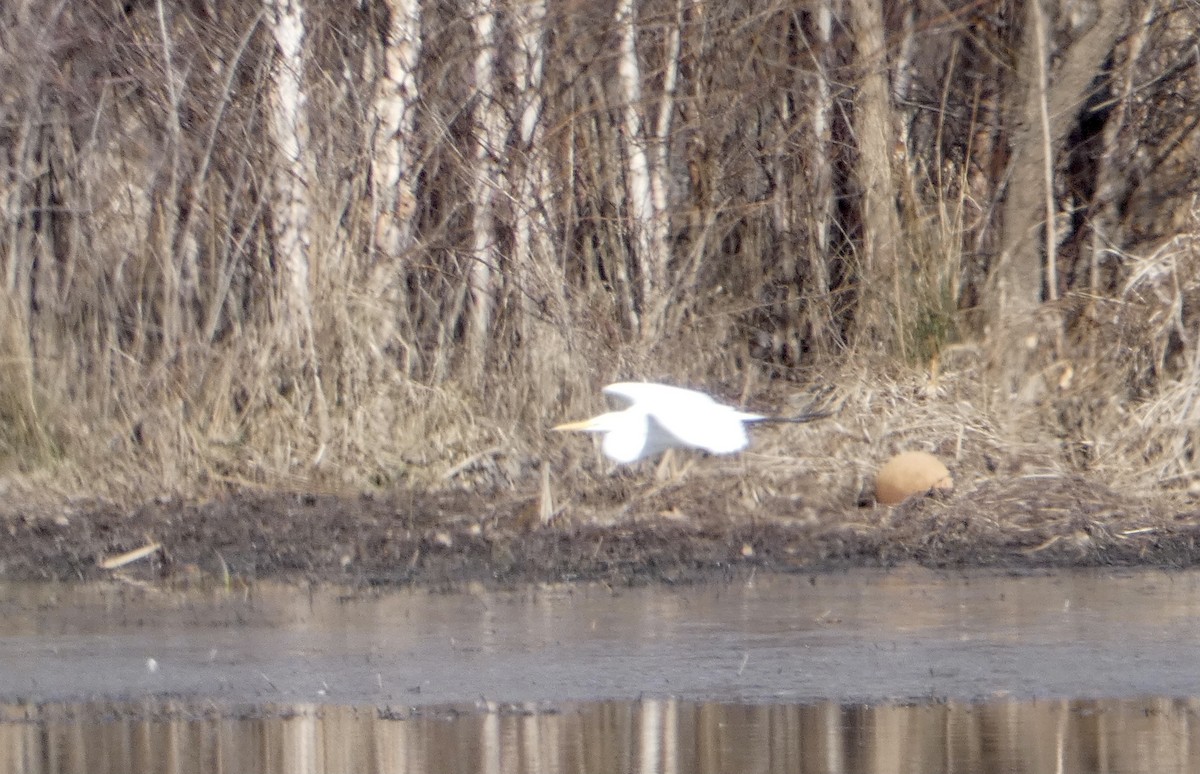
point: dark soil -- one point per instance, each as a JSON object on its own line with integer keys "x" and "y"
{"x": 448, "y": 539}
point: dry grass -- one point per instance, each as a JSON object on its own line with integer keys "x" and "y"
{"x": 799, "y": 471}
{"x": 147, "y": 347}
{"x": 388, "y": 431}
{"x": 817, "y": 473}
{"x": 25, "y": 437}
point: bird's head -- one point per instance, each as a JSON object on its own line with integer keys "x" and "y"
{"x": 625, "y": 433}
{"x": 603, "y": 423}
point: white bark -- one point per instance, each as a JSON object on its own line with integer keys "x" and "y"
{"x": 293, "y": 172}
{"x": 489, "y": 140}
{"x": 17, "y": 267}
{"x": 818, "y": 308}
{"x": 527, "y": 67}
{"x": 529, "y": 19}
{"x": 822, "y": 124}
{"x": 289, "y": 128}
{"x": 396, "y": 115}
{"x": 902, "y": 64}
{"x": 1043, "y": 54}
{"x": 659, "y": 227}
{"x": 645, "y": 184}
{"x": 637, "y": 171}
{"x": 532, "y": 247}
{"x": 803, "y": 204}
{"x": 666, "y": 109}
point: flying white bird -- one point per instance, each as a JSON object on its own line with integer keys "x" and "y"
{"x": 661, "y": 417}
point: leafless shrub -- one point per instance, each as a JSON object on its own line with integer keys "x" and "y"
{"x": 676, "y": 192}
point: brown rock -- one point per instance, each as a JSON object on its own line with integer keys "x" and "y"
{"x": 909, "y": 473}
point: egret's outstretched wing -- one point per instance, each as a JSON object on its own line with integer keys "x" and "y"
{"x": 651, "y": 395}
{"x": 661, "y": 417}
{"x": 627, "y": 439}
{"x": 682, "y": 417}
{"x": 718, "y": 429}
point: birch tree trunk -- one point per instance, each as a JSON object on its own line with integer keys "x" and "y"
{"x": 291, "y": 173}
{"x": 645, "y": 188}
{"x": 165, "y": 223}
{"x": 538, "y": 275}
{"x": 819, "y": 310}
{"x": 660, "y": 226}
{"x": 489, "y": 141}
{"x": 528, "y": 66}
{"x": 879, "y": 319}
{"x": 395, "y": 131}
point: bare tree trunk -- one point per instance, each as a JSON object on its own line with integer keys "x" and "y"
{"x": 660, "y": 226}
{"x": 539, "y": 276}
{"x": 819, "y": 310}
{"x": 703, "y": 166}
{"x": 395, "y": 132}
{"x": 1043, "y": 55}
{"x": 167, "y": 203}
{"x": 645, "y": 187}
{"x": 1112, "y": 186}
{"x": 23, "y": 428}
{"x": 489, "y": 142}
{"x": 879, "y": 319}
{"x": 393, "y": 173}
{"x": 1042, "y": 117}
{"x": 637, "y": 163}
{"x": 292, "y": 174}
{"x": 531, "y": 229}
{"x": 19, "y": 248}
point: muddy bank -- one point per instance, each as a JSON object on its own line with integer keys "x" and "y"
{"x": 677, "y": 536}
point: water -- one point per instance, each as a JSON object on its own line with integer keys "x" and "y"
{"x": 908, "y": 671}
{"x": 651, "y": 735}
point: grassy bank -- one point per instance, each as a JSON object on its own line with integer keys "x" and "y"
{"x": 303, "y": 247}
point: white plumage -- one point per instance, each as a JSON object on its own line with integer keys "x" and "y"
{"x": 661, "y": 417}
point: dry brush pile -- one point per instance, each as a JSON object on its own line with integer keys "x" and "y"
{"x": 305, "y": 243}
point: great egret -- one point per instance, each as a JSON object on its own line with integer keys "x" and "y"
{"x": 661, "y": 417}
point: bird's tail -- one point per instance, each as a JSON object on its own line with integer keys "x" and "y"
{"x": 807, "y": 416}
{"x": 818, "y": 408}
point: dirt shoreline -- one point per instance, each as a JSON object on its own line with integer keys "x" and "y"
{"x": 444, "y": 540}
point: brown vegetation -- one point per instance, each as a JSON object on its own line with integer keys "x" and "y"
{"x": 321, "y": 246}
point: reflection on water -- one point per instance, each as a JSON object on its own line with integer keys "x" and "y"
{"x": 904, "y": 671}
{"x": 170, "y": 737}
